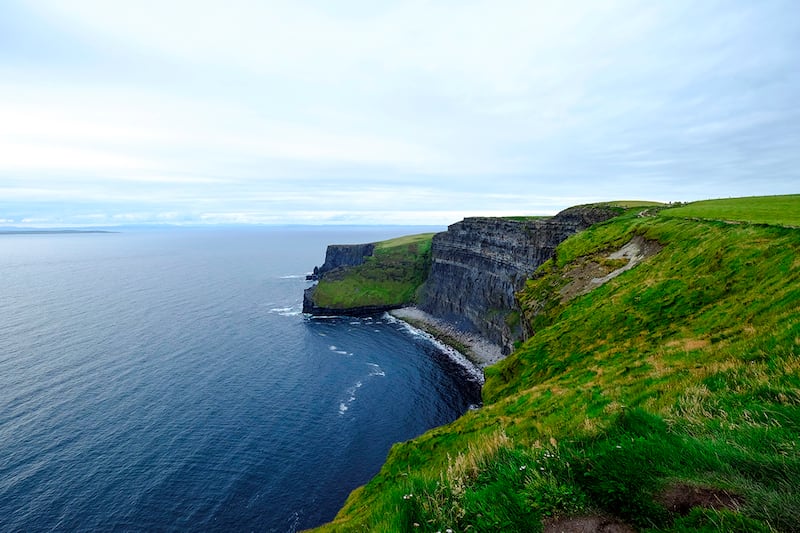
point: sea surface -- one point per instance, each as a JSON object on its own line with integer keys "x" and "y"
{"x": 166, "y": 380}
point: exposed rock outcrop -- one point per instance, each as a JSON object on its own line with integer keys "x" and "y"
{"x": 342, "y": 255}
{"x": 592, "y": 272}
{"x": 338, "y": 256}
{"x": 480, "y": 263}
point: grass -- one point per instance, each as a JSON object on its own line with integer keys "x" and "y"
{"x": 682, "y": 372}
{"x": 392, "y": 276}
{"x": 777, "y": 210}
{"x": 630, "y": 204}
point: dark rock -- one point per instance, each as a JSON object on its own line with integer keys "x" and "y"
{"x": 344, "y": 255}
{"x": 480, "y": 263}
{"x": 311, "y": 308}
{"x": 314, "y": 276}
{"x": 337, "y": 257}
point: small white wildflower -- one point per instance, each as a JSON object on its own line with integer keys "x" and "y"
{"x": 407, "y": 496}
{"x": 523, "y": 467}
{"x": 541, "y": 468}
{"x": 619, "y": 447}
{"x": 448, "y": 530}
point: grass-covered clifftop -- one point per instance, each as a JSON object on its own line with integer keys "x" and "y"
{"x": 667, "y": 398}
{"x": 390, "y": 277}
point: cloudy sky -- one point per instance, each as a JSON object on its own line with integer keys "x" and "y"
{"x": 312, "y": 111}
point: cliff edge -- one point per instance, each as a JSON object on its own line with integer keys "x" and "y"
{"x": 480, "y": 263}
{"x": 359, "y": 279}
{"x": 658, "y": 388}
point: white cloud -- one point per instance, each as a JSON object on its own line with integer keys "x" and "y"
{"x": 264, "y": 110}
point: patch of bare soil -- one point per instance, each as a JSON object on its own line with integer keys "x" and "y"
{"x": 592, "y": 273}
{"x": 587, "y": 524}
{"x": 681, "y": 498}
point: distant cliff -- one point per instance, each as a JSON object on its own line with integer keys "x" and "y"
{"x": 343, "y": 255}
{"x": 361, "y": 279}
{"x": 479, "y": 264}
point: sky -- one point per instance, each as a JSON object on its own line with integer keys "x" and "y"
{"x": 388, "y": 112}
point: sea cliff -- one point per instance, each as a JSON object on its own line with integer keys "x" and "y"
{"x": 358, "y": 279}
{"x": 471, "y": 275}
{"x": 658, "y": 387}
{"x": 341, "y": 256}
{"x": 479, "y": 264}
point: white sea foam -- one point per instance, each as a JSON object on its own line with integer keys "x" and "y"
{"x": 451, "y": 352}
{"x": 293, "y": 276}
{"x": 286, "y": 311}
{"x": 335, "y": 349}
{"x": 376, "y": 370}
{"x": 351, "y": 392}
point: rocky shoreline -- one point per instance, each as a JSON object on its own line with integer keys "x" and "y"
{"x": 480, "y": 351}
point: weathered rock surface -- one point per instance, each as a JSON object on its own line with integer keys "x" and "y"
{"x": 338, "y": 256}
{"x": 480, "y": 263}
{"x": 343, "y": 255}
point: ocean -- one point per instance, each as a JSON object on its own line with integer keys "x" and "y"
{"x": 166, "y": 380}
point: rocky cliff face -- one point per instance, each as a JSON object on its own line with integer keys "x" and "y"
{"x": 337, "y": 257}
{"x": 480, "y": 263}
{"x": 343, "y": 255}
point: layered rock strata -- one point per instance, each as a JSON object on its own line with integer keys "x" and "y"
{"x": 479, "y": 264}
{"x": 342, "y": 255}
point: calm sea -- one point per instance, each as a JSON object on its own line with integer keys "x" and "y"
{"x": 166, "y": 380}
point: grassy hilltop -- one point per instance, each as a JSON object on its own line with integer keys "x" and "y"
{"x": 667, "y": 398}
{"x": 391, "y": 276}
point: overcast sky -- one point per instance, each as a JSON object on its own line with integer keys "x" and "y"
{"x": 312, "y": 111}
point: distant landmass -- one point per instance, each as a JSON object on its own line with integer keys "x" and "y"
{"x": 50, "y": 231}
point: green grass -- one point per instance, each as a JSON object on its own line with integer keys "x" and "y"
{"x": 390, "y": 277}
{"x": 629, "y": 204}
{"x": 778, "y": 210}
{"x": 683, "y": 371}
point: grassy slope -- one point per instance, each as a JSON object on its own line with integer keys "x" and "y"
{"x": 634, "y": 203}
{"x": 682, "y": 370}
{"x": 783, "y": 210}
{"x": 390, "y": 277}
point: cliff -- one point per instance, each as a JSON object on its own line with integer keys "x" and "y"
{"x": 359, "y": 279}
{"x": 343, "y": 255}
{"x": 479, "y": 264}
{"x": 659, "y": 389}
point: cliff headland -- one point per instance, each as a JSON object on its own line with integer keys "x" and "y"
{"x": 464, "y": 280}
{"x": 653, "y": 381}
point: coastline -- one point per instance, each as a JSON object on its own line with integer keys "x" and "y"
{"x": 479, "y": 351}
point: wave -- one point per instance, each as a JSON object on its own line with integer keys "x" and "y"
{"x": 293, "y": 276}
{"x": 472, "y": 370}
{"x": 376, "y": 370}
{"x": 351, "y": 392}
{"x": 334, "y": 349}
{"x": 286, "y": 311}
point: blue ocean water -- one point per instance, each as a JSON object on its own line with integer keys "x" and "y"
{"x": 167, "y": 381}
